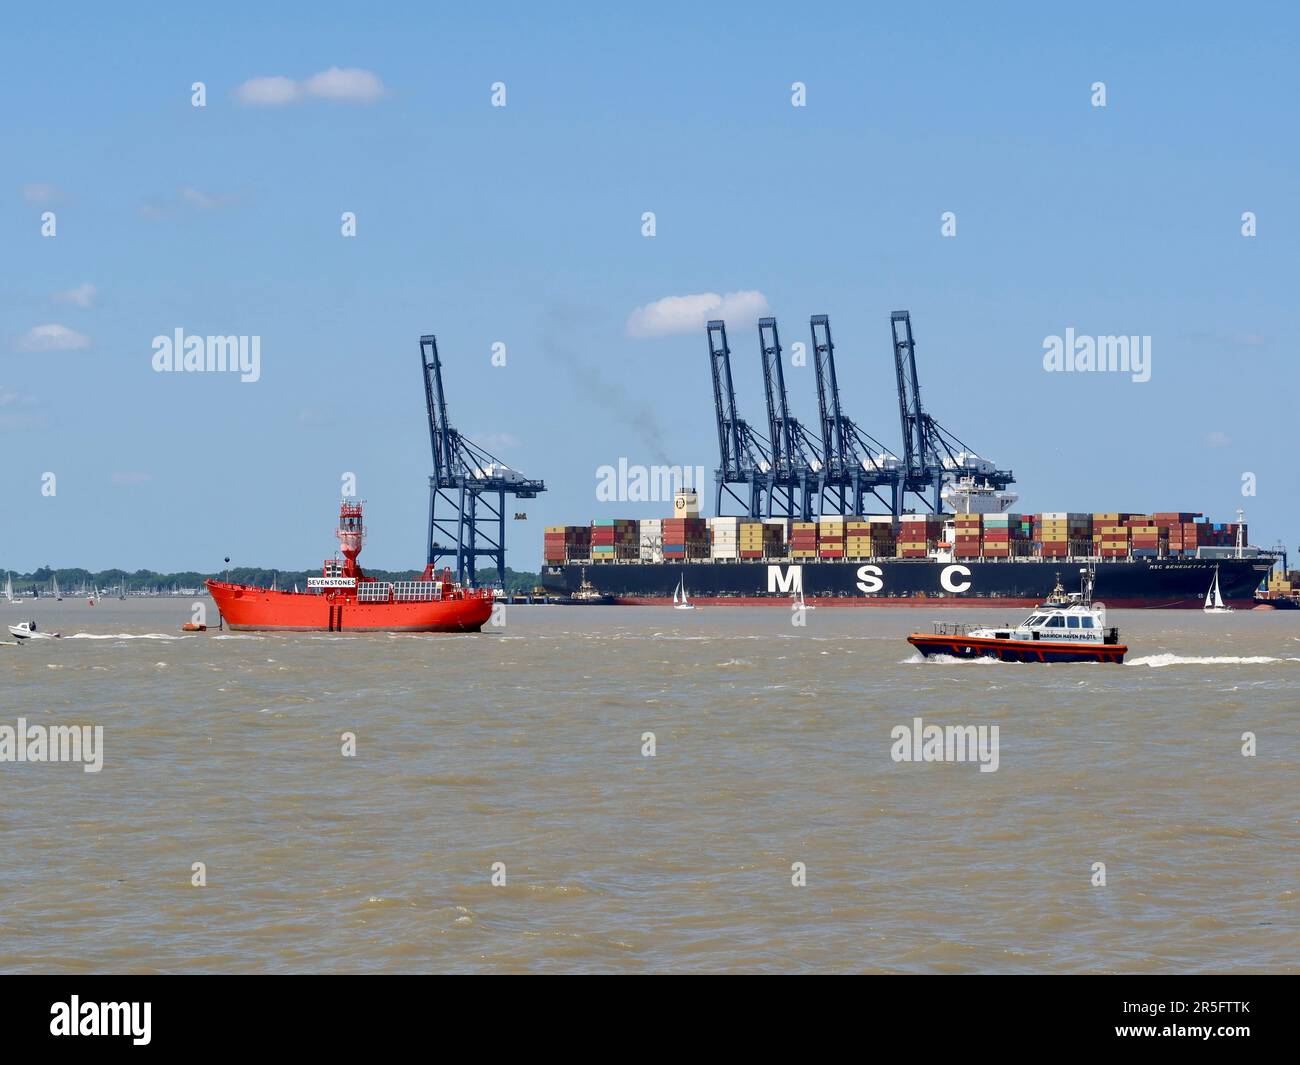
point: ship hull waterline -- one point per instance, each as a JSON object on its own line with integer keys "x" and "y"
{"x": 246, "y": 609}
{"x": 972, "y": 647}
{"x": 1121, "y": 584}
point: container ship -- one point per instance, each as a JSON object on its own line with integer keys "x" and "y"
{"x": 1165, "y": 559}
{"x": 344, "y": 599}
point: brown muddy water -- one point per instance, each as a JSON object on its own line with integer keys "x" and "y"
{"x": 523, "y": 746}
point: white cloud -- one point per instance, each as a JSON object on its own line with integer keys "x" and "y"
{"x": 40, "y": 194}
{"x": 81, "y": 296}
{"x": 204, "y": 201}
{"x": 495, "y": 441}
{"x": 359, "y": 86}
{"x": 268, "y": 92}
{"x": 53, "y": 338}
{"x": 687, "y": 314}
{"x": 187, "y": 196}
{"x": 350, "y": 84}
{"x": 1217, "y": 439}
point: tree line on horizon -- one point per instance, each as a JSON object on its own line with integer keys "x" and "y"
{"x": 72, "y": 578}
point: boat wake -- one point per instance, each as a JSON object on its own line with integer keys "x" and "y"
{"x": 1159, "y": 661}
{"x": 126, "y": 636}
{"x": 949, "y": 660}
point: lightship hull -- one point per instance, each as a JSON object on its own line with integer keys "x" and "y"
{"x": 258, "y": 609}
{"x": 1122, "y": 584}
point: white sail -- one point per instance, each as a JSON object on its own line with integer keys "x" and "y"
{"x": 9, "y": 588}
{"x": 684, "y": 603}
{"x": 1214, "y": 598}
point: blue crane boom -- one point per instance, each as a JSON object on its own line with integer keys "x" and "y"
{"x": 468, "y": 486}
{"x": 850, "y": 469}
{"x": 796, "y": 461}
{"x": 926, "y": 443}
{"x": 743, "y": 454}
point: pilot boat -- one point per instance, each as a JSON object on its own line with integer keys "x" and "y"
{"x": 1068, "y": 627}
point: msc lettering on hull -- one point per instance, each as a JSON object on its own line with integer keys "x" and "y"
{"x": 871, "y": 579}
{"x": 787, "y": 579}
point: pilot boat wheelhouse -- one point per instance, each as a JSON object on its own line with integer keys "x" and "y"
{"x": 1066, "y": 628}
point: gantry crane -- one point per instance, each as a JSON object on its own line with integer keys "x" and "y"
{"x": 744, "y": 458}
{"x": 854, "y": 463}
{"x": 468, "y": 486}
{"x": 796, "y": 463}
{"x": 926, "y": 444}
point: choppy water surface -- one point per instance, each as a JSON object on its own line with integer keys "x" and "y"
{"x": 523, "y": 746}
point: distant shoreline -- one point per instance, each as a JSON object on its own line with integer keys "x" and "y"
{"x": 75, "y": 581}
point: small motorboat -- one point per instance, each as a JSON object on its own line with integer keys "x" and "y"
{"x": 26, "y": 630}
{"x": 1066, "y": 628}
{"x": 191, "y": 626}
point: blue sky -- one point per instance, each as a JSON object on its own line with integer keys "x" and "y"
{"x": 523, "y": 225}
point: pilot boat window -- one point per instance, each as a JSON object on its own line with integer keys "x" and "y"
{"x": 1072, "y": 622}
{"x": 1088, "y": 623}
{"x": 1055, "y": 622}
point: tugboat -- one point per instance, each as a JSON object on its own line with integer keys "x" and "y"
{"x": 1066, "y": 628}
{"x": 587, "y": 595}
{"x": 344, "y": 599}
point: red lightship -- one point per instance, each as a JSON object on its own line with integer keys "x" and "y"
{"x": 344, "y": 599}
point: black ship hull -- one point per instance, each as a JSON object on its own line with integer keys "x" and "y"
{"x": 1170, "y": 583}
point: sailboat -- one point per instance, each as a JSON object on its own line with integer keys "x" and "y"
{"x": 1213, "y": 600}
{"x": 9, "y": 590}
{"x": 682, "y": 603}
{"x": 800, "y": 604}
{"x": 54, "y": 590}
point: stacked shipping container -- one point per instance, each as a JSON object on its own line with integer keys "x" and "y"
{"x": 614, "y": 538}
{"x": 685, "y": 538}
{"x": 915, "y": 533}
{"x": 564, "y": 543}
{"x": 1051, "y": 534}
{"x": 803, "y": 539}
{"x": 1060, "y": 533}
{"x": 651, "y": 540}
{"x": 1110, "y": 535}
{"x": 830, "y": 537}
{"x": 966, "y": 536}
{"x": 1004, "y": 535}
